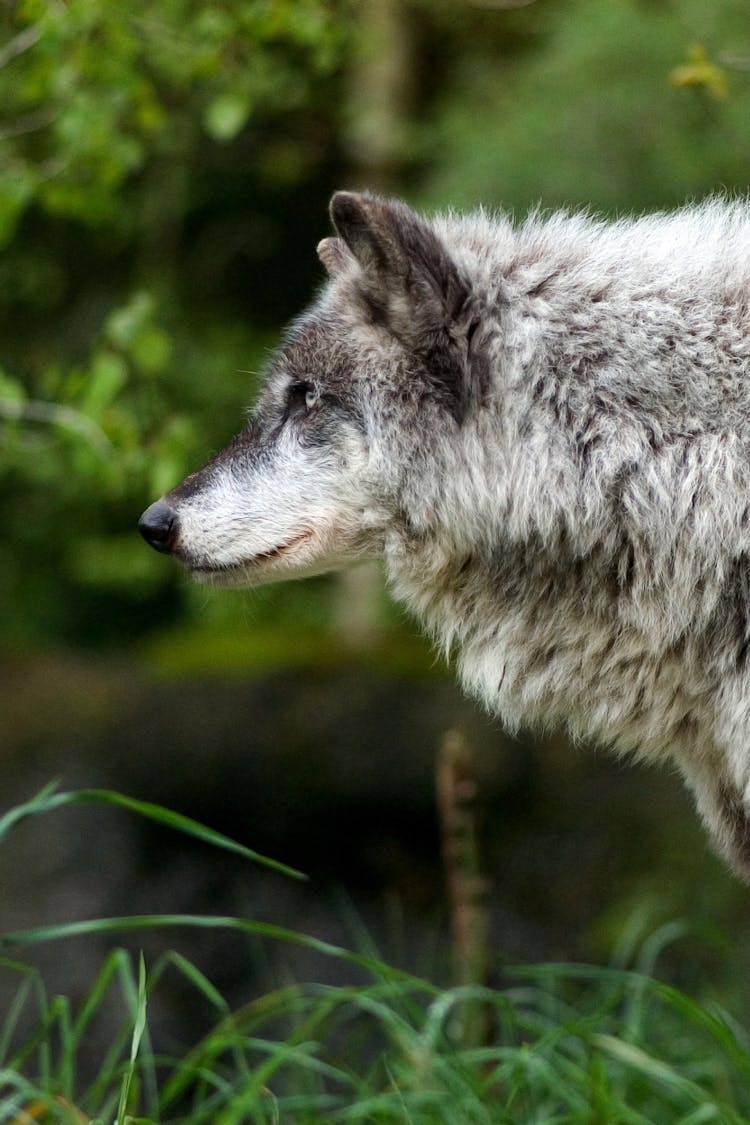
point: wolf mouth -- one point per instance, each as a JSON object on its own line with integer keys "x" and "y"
{"x": 228, "y": 569}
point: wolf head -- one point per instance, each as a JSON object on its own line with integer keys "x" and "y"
{"x": 316, "y": 480}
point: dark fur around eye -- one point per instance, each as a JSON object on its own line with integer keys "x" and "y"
{"x": 301, "y": 397}
{"x": 299, "y": 390}
{"x": 306, "y": 400}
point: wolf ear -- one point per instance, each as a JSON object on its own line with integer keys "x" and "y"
{"x": 334, "y": 255}
{"x": 400, "y": 254}
{"x": 410, "y": 283}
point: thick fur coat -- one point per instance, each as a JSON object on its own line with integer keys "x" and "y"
{"x": 544, "y": 431}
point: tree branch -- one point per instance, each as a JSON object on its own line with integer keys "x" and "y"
{"x": 52, "y": 413}
{"x": 22, "y": 42}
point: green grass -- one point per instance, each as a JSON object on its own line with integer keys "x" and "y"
{"x": 559, "y": 1043}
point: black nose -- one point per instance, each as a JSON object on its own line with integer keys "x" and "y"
{"x": 158, "y": 525}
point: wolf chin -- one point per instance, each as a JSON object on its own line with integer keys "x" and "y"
{"x": 544, "y": 431}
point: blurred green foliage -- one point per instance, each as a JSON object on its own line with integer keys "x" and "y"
{"x": 164, "y": 171}
{"x": 150, "y": 155}
{"x": 623, "y": 105}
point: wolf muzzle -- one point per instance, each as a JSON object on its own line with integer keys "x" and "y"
{"x": 158, "y": 526}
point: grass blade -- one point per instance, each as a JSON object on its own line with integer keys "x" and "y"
{"x": 136, "y": 922}
{"x": 49, "y": 799}
{"x": 139, "y": 1025}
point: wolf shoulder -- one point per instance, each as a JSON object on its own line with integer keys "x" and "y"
{"x": 645, "y": 320}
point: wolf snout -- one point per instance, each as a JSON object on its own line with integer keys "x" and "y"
{"x": 158, "y": 526}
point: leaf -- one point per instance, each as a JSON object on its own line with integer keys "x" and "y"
{"x": 11, "y": 390}
{"x": 124, "y": 325}
{"x": 700, "y": 72}
{"x": 17, "y": 187}
{"x": 152, "y": 348}
{"x": 226, "y": 115}
{"x": 108, "y": 375}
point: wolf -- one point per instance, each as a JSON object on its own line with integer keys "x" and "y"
{"x": 543, "y": 429}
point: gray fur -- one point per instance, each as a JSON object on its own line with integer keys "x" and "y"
{"x": 544, "y": 431}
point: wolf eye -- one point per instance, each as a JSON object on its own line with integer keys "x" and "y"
{"x": 312, "y": 396}
{"x": 303, "y": 394}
